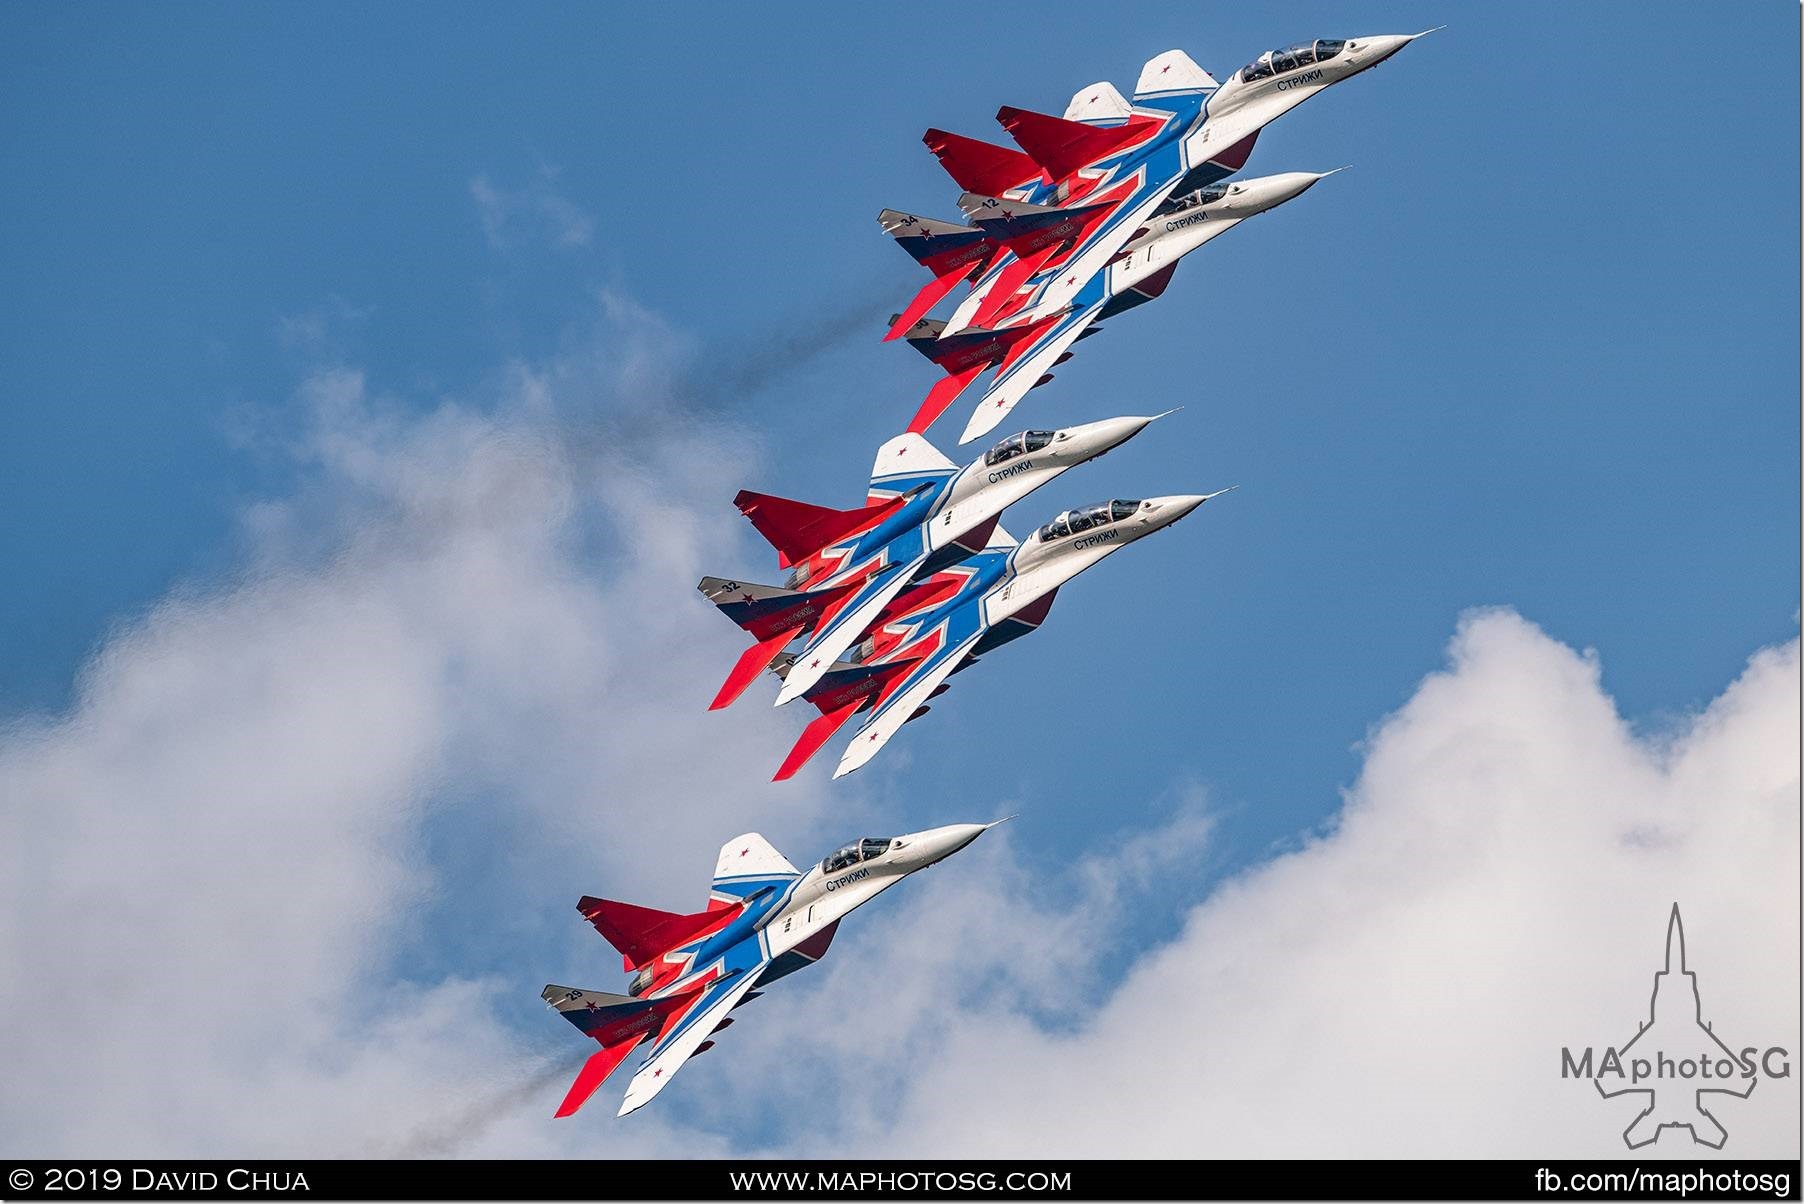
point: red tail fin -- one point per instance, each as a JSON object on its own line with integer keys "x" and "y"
{"x": 751, "y": 663}
{"x": 599, "y": 1066}
{"x": 642, "y": 933}
{"x": 926, "y": 299}
{"x": 817, "y": 733}
{"x": 945, "y": 391}
{"x": 1064, "y": 147}
{"x": 1008, "y": 283}
{"x": 978, "y": 166}
{"x": 798, "y": 530}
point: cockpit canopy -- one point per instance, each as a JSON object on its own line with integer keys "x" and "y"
{"x": 1087, "y": 518}
{"x": 1190, "y": 200}
{"x": 858, "y": 850}
{"x": 1017, "y": 445}
{"x": 1277, "y": 62}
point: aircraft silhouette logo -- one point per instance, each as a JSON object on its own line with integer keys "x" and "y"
{"x": 1686, "y": 1058}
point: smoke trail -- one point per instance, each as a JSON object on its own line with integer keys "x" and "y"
{"x": 724, "y": 380}
{"x": 766, "y": 361}
{"x": 475, "y": 1118}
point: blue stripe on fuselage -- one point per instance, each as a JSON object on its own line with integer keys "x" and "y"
{"x": 1162, "y": 156}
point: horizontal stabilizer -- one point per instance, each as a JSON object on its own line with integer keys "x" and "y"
{"x": 922, "y": 333}
{"x": 979, "y": 166}
{"x": 642, "y": 934}
{"x": 1063, "y": 147}
{"x": 981, "y": 208}
{"x": 617, "y": 1022}
{"x": 1173, "y": 71}
{"x": 1099, "y": 102}
{"x": 749, "y": 604}
{"x": 936, "y": 245}
{"x": 797, "y": 530}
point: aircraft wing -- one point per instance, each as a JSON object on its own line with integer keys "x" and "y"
{"x": 888, "y": 719}
{"x": 686, "y": 1036}
{"x": 827, "y": 645}
{"x": 1026, "y": 371}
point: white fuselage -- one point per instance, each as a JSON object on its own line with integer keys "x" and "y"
{"x": 982, "y": 490}
{"x": 1041, "y": 565}
{"x": 1239, "y": 108}
{"x": 1171, "y": 236}
{"x": 821, "y": 897}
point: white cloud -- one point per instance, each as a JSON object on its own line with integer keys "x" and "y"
{"x": 456, "y": 681}
{"x": 536, "y": 211}
{"x": 219, "y": 865}
{"x": 1497, "y": 886}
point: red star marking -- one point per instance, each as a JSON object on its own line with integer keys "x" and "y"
{"x": 815, "y": 663}
{"x": 657, "y": 1074}
{"x": 872, "y": 736}
{"x": 1165, "y": 68}
{"x": 902, "y": 451}
{"x": 1071, "y": 280}
{"x": 743, "y": 852}
{"x": 1093, "y": 100}
{"x": 748, "y": 597}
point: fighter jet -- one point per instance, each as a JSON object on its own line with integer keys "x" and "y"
{"x": 1001, "y": 594}
{"x": 1085, "y": 183}
{"x": 853, "y": 568}
{"x": 765, "y": 919}
{"x": 1182, "y": 132}
{"x": 1037, "y": 337}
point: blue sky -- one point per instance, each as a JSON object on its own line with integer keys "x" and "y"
{"x": 1537, "y": 349}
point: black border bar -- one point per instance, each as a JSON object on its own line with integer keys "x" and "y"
{"x": 852, "y": 1179}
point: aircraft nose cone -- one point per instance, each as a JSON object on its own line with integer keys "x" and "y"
{"x": 937, "y": 844}
{"x": 1095, "y": 438}
{"x": 1168, "y": 510}
{"x": 1379, "y": 47}
{"x": 1293, "y": 184}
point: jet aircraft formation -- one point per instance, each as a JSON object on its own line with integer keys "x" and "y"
{"x": 1085, "y": 218}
